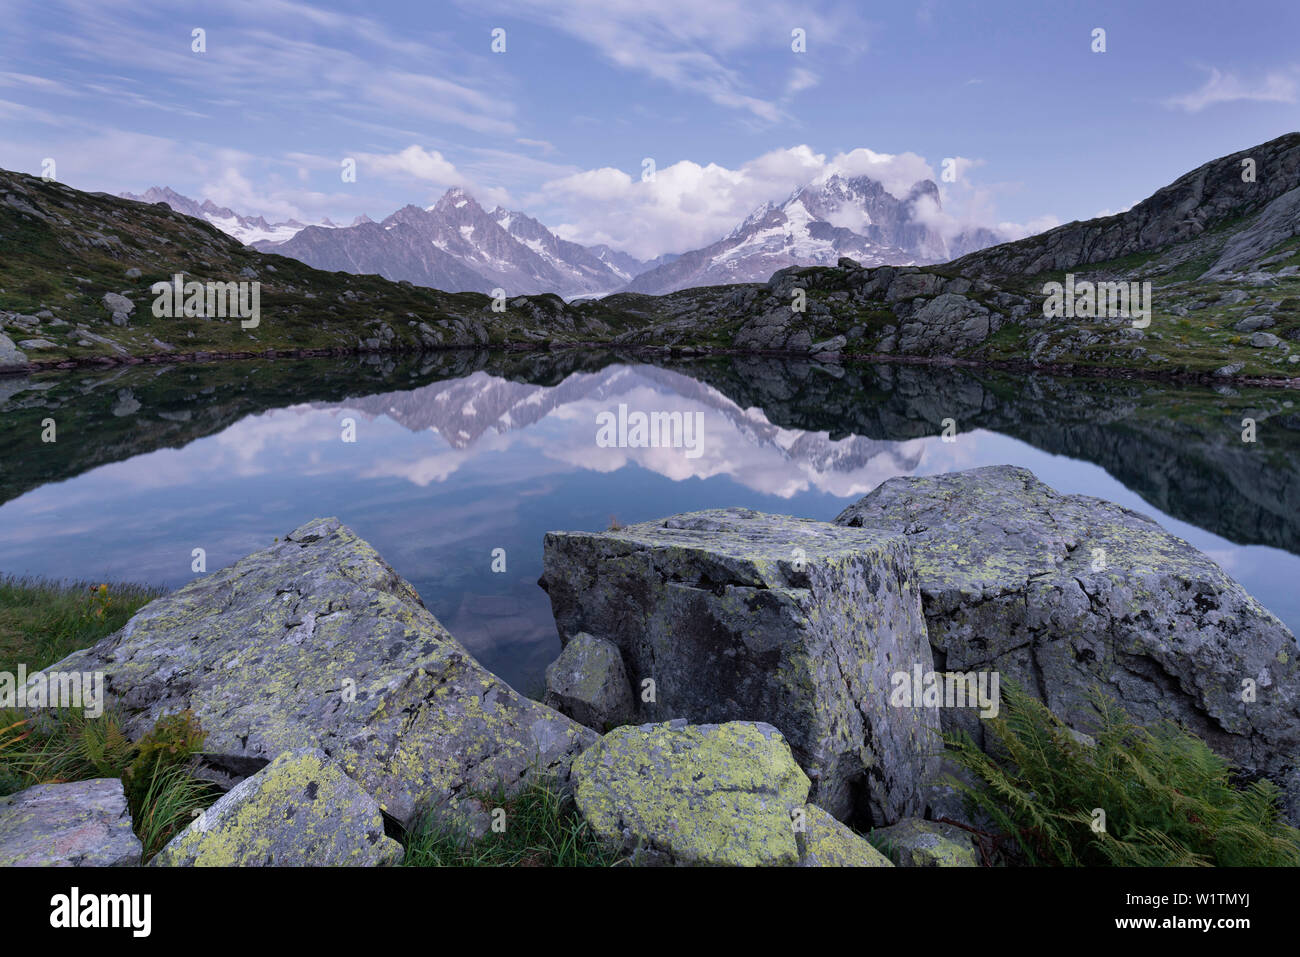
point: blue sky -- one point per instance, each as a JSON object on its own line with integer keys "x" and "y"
{"x": 1043, "y": 129}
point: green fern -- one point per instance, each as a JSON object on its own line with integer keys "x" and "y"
{"x": 1168, "y": 800}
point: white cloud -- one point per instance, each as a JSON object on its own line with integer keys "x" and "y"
{"x": 687, "y": 205}
{"x": 417, "y": 163}
{"x": 1221, "y": 87}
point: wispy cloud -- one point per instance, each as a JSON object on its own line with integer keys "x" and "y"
{"x": 695, "y": 47}
{"x": 1224, "y": 87}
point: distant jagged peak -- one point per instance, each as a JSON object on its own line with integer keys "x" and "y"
{"x": 457, "y": 197}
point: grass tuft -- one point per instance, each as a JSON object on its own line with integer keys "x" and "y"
{"x": 542, "y": 829}
{"x": 42, "y": 622}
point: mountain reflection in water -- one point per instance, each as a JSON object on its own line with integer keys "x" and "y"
{"x": 458, "y": 455}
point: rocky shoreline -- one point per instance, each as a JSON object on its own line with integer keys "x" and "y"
{"x": 728, "y": 690}
{"x": 673, "y": 352}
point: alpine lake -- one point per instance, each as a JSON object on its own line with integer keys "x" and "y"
{"x": 455, "y": 465}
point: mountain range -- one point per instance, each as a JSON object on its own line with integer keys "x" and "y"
{"x": 247, "y": 229}
{"x": 458, "y": 246}
{"x": 815, "y": 226}
{"x": 1216, "y": 255}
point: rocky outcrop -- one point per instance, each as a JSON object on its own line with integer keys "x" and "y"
{"x": 1065, "y": 592}
{"x": 948, "y": 323}
{"x": 903, "y": 310}
{"x": 728, "y": 794}
{"x": 300, "y": 810}
{"x": 82, "y": 824}
{"x": 589, "y": 684}
{"x": 1210, "y": 195}
{"x": 732, "y": 614}
{"x": 315, "y": 642}
{"x": 1279, "y": 221}
{"x": 918, "y": 843}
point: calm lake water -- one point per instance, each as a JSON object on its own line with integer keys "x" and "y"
{"x": 461, "y": 455}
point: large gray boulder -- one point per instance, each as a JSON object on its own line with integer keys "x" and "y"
{"x": 732, "y": 614}
{"x": 315, "y": 642}
{"x": 81, "y": 824}
{"x": 1064, "y": 593}
{"x": 729, "y": 794}
{"x": 300, "y": 810}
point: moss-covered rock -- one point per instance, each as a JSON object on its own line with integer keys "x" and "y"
{"x": 317, "y": 642}
{"x": 693, "y": 794}
{"x": 732, "y": 614}
{"x": 825, "y": 842}
{"x": 914, "y": 842}
{"x": 300, "y": 810}
{"x": 79, "y": 824}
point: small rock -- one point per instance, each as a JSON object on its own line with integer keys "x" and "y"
{"x": 1264, "y": 340}
{"x": 300, "y": 810}
{"x": 589, "y": 684}
{"x": 825, "y": 842}
{"x": 834, "y": 345}
{"x": 133, "y": 273}
{"x": 37, "y": 344}
{"x": 81, "y": 824}
{"x": 10, "y": 356}
{"x": 914, "y": 842}
{"x": 119, "y": 306}
{"x": 1253, "y": 323}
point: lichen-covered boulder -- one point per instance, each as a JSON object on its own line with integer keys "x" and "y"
{"x": 80, "y": 824}
{"x": 317, "y": 642}
{"x": 300, "y": 810}
{"x": 825, "y": 842}
{"x": 675, "y": 793}
{"x": 589, "y": 684}
{"x": 1063, "y": 593}
{"x": 732, "y": 614}
{"x": 914, "y": 842}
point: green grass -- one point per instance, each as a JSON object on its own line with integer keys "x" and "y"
{"x": 41, "y": 622}
{"x": 1168, "y": 799}
{"x": 541, "y": 829}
